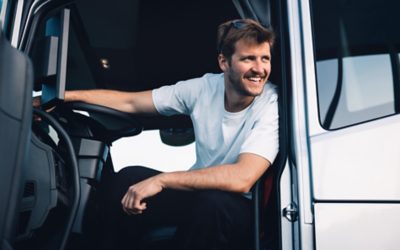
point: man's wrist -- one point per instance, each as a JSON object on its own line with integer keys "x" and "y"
{"x": 67, "y": 96}
{"x": 163, "y": 179}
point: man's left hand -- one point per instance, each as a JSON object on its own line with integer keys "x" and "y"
{"x": 132, "y": 202}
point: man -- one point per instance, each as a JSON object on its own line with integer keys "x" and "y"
{"x": 235, "y": 118}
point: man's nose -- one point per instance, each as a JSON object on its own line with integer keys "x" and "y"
{"x": 259, "y": 67}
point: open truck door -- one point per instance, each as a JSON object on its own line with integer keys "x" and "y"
{"x": 345, "y": 82}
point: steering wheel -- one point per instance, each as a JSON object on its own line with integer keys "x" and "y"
{"x": 117, "y": 124}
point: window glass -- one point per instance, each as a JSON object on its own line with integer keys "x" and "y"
{"x": 364, "y": 76}
{"x": 357, "y": 47}
{"x": 141, "y": 149}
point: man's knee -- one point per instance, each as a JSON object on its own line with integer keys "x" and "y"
{"x": 134, "y": 174}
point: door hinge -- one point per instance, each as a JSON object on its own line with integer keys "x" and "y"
{"x": 291, "y": 212}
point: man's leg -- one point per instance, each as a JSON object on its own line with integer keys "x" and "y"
{"x": 217, "y": 220}
{"x": 122, "y": 231}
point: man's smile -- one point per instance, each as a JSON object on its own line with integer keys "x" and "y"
{"x": 256, "y": 79}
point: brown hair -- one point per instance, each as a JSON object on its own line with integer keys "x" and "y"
{"x": 230, "y": 32}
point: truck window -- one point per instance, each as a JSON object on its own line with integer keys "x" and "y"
{"x": 357, "y": 52}
{"x": 140, "y": 150}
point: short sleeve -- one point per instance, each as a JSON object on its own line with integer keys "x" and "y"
{"x": 263, "y": 138}
{"x": 178, "y": 98}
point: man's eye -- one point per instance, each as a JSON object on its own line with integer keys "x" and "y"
{"x": 266, "y": 59}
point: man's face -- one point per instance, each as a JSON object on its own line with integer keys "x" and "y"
{"x": 248, "y": 69}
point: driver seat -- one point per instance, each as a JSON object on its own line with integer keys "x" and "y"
{"x": 16, "y": 80}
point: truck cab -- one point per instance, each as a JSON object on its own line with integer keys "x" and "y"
{"x": 334, "y": 184}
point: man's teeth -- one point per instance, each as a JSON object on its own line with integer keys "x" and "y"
{"x": 255, "y": 79}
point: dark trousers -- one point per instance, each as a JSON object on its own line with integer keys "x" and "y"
{"x": 205, "y": 220}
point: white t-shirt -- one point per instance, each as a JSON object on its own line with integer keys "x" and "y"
{"x": 221, "y": 135}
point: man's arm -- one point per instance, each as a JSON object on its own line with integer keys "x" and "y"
{"x": 238, "y": 177}
{"x": 130, "y": 102}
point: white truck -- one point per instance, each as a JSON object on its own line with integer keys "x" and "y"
{"x": 336, "y": 182}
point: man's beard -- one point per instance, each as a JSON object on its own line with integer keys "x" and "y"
{"x": 239, "y": 85}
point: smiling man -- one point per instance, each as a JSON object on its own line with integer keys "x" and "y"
{"x": 235, "y": 118}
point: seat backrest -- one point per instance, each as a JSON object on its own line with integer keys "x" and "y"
{"x": 16, "y": 79}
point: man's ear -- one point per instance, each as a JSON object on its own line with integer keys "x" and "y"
{"x": 223, "y": 62}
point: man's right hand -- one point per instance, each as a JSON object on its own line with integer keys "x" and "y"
{"x": 36, "y": 102}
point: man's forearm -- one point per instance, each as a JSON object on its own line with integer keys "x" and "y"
{"x": 237, "y": 177}
{"x": 130, "y": 102}
{"x": 222, "y": 177}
